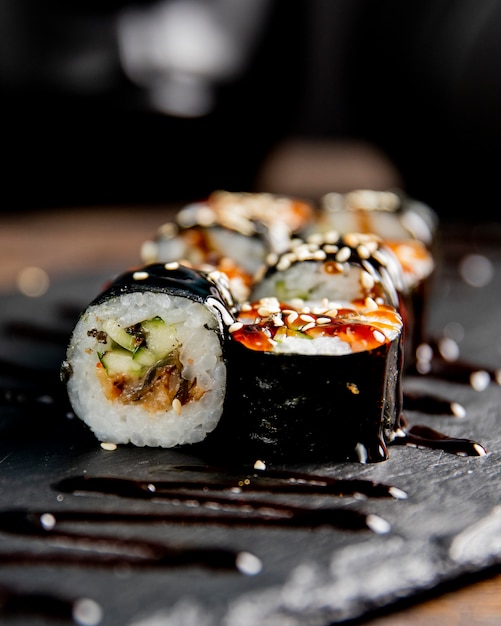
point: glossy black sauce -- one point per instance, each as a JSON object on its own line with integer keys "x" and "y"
{"x": 272, "y": 480}
{"x": 429, "y": 404}
{"x": 217, "y": 512}
{"x": 419, "y": 436}
{"x": 15, "y": 604}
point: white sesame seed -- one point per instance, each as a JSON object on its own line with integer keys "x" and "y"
{"x": 283, "y": 264}
{"x": 259, "y": 465}
{"x": 370, "y": 304}
{"x": 480, "y": 450}
{"x": 307, "y": 327}
{"x": 248, "y": 563}
{"x": 173, "y": 265}
{"x": 292, "y": 317}
{"x": 331, "y": 249}
{"x": 361, "y": 452}
{"x": 236, "y": 326}
{"x": 397, "y": 493}
{"x": 366, "y": 280}
{"x": 306, "y": 318}
{"x": 323, "y": 320}
{"x": 351, "y": 239}
{"x": 320, "y": 255}
{"x": 110, "y": 447}
{"x": 380, "y": 257}
{"x": 140, "y": 275}
{"x": 87, "y": 612}
{"x": 379, "y": 336}
{"x": 47, "y": 521}
{"x": 363, "y": 251}
{"x": 332, "y": 312}
{"x": 176, "y": 406}
{"x": 303, "y": 253}
{"x": 458, "y": 410}
{"x": 377, "y": 524}
{"x": 480, "y": 380}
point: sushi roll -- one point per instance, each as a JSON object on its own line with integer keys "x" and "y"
{"x": 313, "y": 384}
{"x": 231, "y": 232}
{"x": 145, "y": 363}
{"x": 319, "y": 351}
{"x": 405, "y": 226}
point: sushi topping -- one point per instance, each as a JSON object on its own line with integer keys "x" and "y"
{"x": 140, "y": 363}
{"x": 247, "y": 213}
{"x": 268, "y": 324}
{"x": 414, "y": 257}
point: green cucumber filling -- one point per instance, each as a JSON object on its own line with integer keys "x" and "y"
{"x": 141, "y": 363}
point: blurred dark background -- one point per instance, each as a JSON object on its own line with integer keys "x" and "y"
{"x": 108, "y": 102}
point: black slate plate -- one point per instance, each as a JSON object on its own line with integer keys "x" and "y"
{"x": 100, "y": 558}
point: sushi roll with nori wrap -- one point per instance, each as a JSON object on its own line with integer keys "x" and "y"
{"x": 348, "y": 266}
{"x": 313, "y": 384}
{"x": 231, "y": 232}
{"x": 145, "y": 363}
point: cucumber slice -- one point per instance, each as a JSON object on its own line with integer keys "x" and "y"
{"x": 121, "y": 336}
{"x": 160, "y": 337}
{"x": 145, "y": 357}
{"x": 120, "y": 361}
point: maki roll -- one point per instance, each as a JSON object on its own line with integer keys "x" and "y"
{"x": 231, "y": 232}
{"x": 145, "y": 362}
{"x": 405, "y": 226}
{"x": 313, "y": 383}
{"x": 319, "y": 352}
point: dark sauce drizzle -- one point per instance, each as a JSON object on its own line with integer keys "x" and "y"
{"x": 101, "y": 550}
{"x": 17, "y": 604}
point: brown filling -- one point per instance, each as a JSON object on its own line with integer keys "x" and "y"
{"x": 160, "y": 388}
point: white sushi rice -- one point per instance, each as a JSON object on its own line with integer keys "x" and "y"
{"x": 200, "y": 355}
{"x": 331, "y": 346}
{"x": 310, "y": 282}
